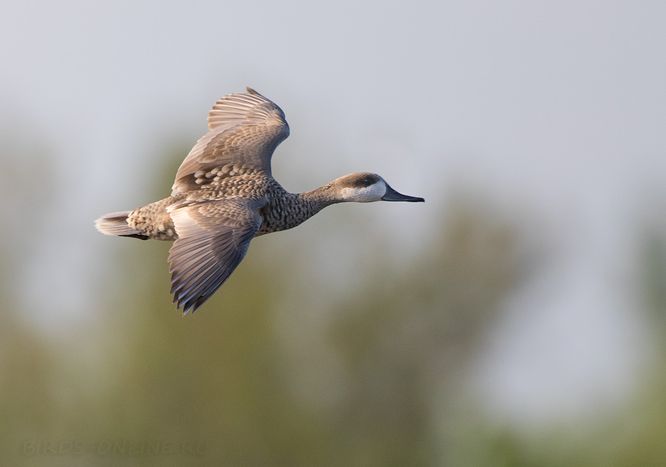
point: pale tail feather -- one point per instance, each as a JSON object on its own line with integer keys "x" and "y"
{"x": 115, "y": 223}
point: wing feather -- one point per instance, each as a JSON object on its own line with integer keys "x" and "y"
{"x": 244, "y": 129}
{"x": 213, "y": 238}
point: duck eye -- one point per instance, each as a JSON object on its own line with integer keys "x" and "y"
{"x": 367, "y": 181}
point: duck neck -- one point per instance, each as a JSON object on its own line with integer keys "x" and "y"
{"x": 287, "y": 210}
{"x": 318, "y": 199}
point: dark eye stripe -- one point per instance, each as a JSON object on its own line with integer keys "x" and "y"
{"x": 367, "y": 181}
{"x": 364, "y": 181}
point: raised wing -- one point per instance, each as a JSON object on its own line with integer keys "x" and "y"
{"x": 213, "y": 238}
{"x": 244, "y": 130}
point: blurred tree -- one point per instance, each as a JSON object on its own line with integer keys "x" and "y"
{"x": 384, "y": 371}
{"x": 29, "y": 406}
{"x": 409, "y": 335}
{"x": 221, "y": 377}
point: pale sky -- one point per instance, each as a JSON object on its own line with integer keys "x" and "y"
{"x": 555, "y": 109}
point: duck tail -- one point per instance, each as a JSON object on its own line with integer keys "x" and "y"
{"x": 115, "y": 223}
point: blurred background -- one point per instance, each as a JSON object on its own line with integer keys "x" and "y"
{"x": 517, "y": 318}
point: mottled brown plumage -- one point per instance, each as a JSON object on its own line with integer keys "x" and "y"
{"x": 224, "y": 195}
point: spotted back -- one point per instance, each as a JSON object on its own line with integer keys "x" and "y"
{"x": 244, "y": 130}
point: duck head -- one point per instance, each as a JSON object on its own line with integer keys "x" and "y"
{"x": 365, "y": 187}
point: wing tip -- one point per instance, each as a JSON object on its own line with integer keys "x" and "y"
{"x": 187, "y": 305}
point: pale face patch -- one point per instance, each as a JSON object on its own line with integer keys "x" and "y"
{"x": 364, "y": 194}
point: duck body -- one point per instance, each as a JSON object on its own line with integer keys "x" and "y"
{"x": 224, "y": 195}
{"x": 281, "y": 210}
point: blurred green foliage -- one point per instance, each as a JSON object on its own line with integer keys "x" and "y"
{"x": 379, "y": 382}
